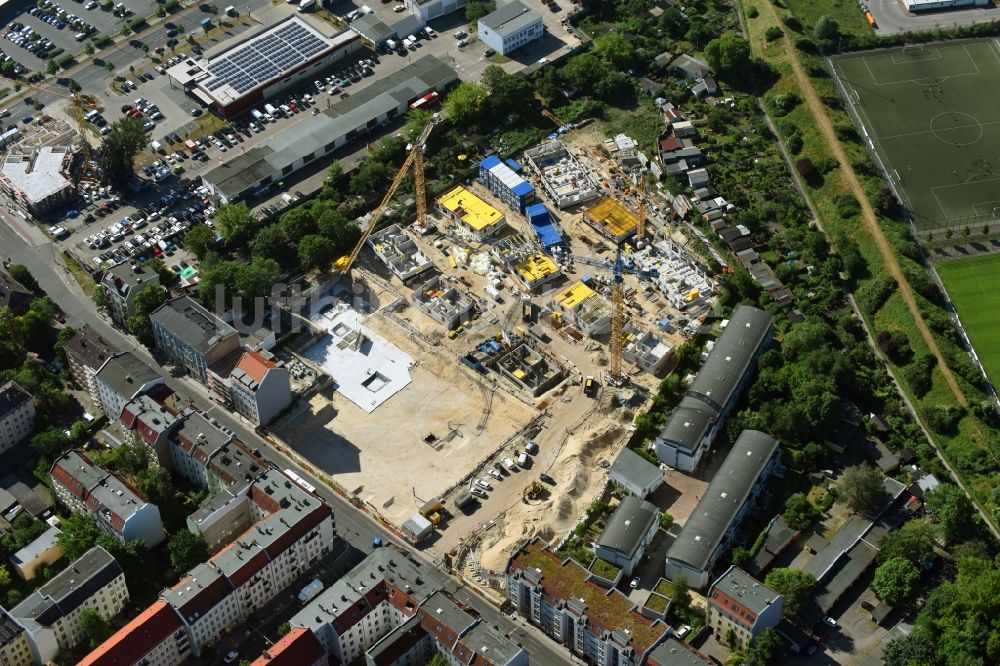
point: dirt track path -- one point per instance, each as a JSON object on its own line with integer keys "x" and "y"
{"x": 815, "y": 105}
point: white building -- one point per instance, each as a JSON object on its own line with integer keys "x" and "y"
{"x": 51, "y": 614}
{"x": 510, "y": 27}
{"x": 115, "y": 506}
{"x": 87, "y": 352}
{"x": 17, "y": 415}
{"x": 430, "y": 9}
{"x": 635, "y": 474}
{"x": 629, "y": 531}
{"x": 123, "y": 377}
{"x": 121, "y": 284}
{"x": 740, "y": 604}
{"x": 257, "y": 387}
{"x": 15, "y": 650}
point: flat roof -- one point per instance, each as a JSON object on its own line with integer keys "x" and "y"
{"x": 572, "y": 296}
{"x": 628, "y": 525}
{"x": 37, "y": 175}
{"x": 509, "y": 18}
{"x": 744, "y": 589}
{"x": 630, "y": 465}
{"x": 471, "y": 209}
{"x": 536, "y": 267}
{"x": 612, "y": 216}
{"x": 12, "y": 396}
{"x": 125, "y": 373}
{"x": 192, "y": 323}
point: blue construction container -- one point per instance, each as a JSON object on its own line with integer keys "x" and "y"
{"x": 505, "y": 183}
{"x": 541, "y": 222}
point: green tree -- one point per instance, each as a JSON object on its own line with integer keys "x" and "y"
{"x": 198, "y": 239}
{"x": 729, "y": 56}
{"x": 342, "y": 231}
{"x": 14, "y": 597}
{"x": 680, "y": 592}
{"x": 21, "y": 273}
{"x": 914, "y": 649}
{"x": 89, "y": 49}
{"x": 826, "y": 28}
{"x": 896, "y": 581}
{"x": 35, "y": 331}
{"x": 465, "y": 105}
{"x": 186, "y": 550}
{"x": 416, "y": 121}
{"x": 955, "y": 514}
{"x": 741, "y": 555}
{"x": 799, "y": 513}
{"x": 666, "y": 521}
{"x": 477, "y": 9}
{"x": 78, "y": 535}
{"x": 129, "y": 458}
{"x": 437, "y": 660}
{"x": 4, "y": 575}
{"x": 51, "y": 67}
{"x": 24, "y": 530}
{"x": 94, "y": 627}
{"x": 613, "y": 47}
{"x": 794, "y": 585}
{"x": 369, "y": 177}
{"x": 765, "y": 649}
{"x": 299, "y": 221}
{"x": 510, "y": 95}
{"x": 167, "y": 276}
{"x": 284, "y": 628}
{"x": 146, "y": 300}
{"x": 861, "y": 488}
{"x": 101, "y": 301}
{"x": 50, "y": 443}
{"x": 270, "y": 243}
{"x": 316, "y": 251}
{"x": 119, "y": 148}
{"x": 236, "y": 223}
{"x": 914, "y": 541}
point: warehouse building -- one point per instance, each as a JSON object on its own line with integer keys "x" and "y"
{"x": 510, "y": 27}
{"x": 261, "y": 67}
{"x": 474, "y": 216}
{"x": 292, "y": 147}
{"x": 504, "y": 180}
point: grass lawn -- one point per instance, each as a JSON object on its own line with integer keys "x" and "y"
{"x": 972, "y": 285}
{"x": 845, "y": 12}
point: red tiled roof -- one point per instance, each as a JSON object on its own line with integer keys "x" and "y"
{"x": 669, "y": 144}
{"x": 299, "y": 647}
{"x": 732, "y": 607}
{"x": 127, "y": 417}
{"x": 137, "y": 638}
{"x": 255, "y": 365}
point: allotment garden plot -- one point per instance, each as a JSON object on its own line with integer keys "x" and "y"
{"x": 932, "y": 114}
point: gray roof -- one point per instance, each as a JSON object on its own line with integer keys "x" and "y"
{"x": 731, "y": 356}
{"x": 70, "y": 589}
{"x": 199, "y": 432}
{"x": 673, "y": 652}
{"x": 13, "y": 294}
{"x": 124, "y": 276}
{"x": 191, "y": 323}
{"x": 370, "y": 26}
{"x": 628, "y": 525}
{"x": 630, "y": 465}
{"x": 691, "y": 65}
{"x": 9, "y": 628}
{"x": 490, "y": 644}
{"x": 99, "y": 489}
{"x": 407, "y": 25}
{"x": 125, "y": 373}
{"x": 90, "y": 347}
{"x": 12, "y": 396}
{"x": 779, "y": 536}
{"x": 34, "y": 550}
{"x": 744, "y": 588}
{"x": 441, "y": 607}
{"x": 38, "y": 174}
{"x": 688, "y": 423}
{"x": 289, "y": 144}
{"x": 723, "y": 498}
{"x": 509, "y": 18}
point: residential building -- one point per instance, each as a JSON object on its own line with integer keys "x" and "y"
{"x": 121, "y": 284}
{"x": 257, "y": 386}
{"x": 736, "y": 489}
{"x": 740, "y": 608}
{"x": 123, "y": 377}
{"x": 389, "y": 610}
{"x": 191, "y": 336}
{"x": 635, "y": 474}
{"x": 17, "y": 415}
{"x": 150, "y": 423}
{"x": 510, "y": 27}
{"x": 51, "y": 614}
{"x": 629, "y": 531}
{"x": 503, "y": 179}
{"x": 431, "y": 9}
{"x": 255, "y": 69}
{"x": 362, "y": 114}
{"x": 14, "y": 295}
{"x": 116, "y": 507}
{"x": 535, "y": 271}
{"x": 464, "y": 210}
{"x": 86, "y": 352}
{"x": 443, "y": 302}
{"x": 559, "y": 597}
{"x": 706, "y": 405}
{"x": 155, "y": 637}
{"x": 15, "y": 650}
{"x": 581, "y": 306}
{"x": 673, "y": 652}
{"x": 208, "y": 455}
{"x": 39, "y": 180}
{"x": 42, "y": 551}
{"x": 299, "y": 647}
{"x": 691, "y": 67}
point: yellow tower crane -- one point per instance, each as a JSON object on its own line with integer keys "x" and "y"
{"x": 415, "y": 159}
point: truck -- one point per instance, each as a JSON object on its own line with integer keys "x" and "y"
{"x": 192, "y": 146}
{"x": 309, "y": 592}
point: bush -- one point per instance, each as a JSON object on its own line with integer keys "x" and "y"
{"x": 847, "y": 206}
{"x": 918, "y": 373}
{"x": 773, "y": 33}
{"x": 806, "y": 45}
{"x": 793, "y": 23}
{"x": 808, "y": 171}
{"x": 752, "y": 12}
{"x": 785, "y": 102}
{"x": 847, "y": 133}
{"x": 873, "y": 294}
{"x": 794, "y": 144}
{"x": 895, "y": 345}
{"x": 943, "y": 420}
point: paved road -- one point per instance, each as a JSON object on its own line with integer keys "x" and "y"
{"x": 23, "y": 243}
{"x": 892, "y": 19}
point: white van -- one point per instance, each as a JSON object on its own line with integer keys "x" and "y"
{"x": 80, "y": 36}
{"x": 230, "y": 11}
{"x": 522, "y": 460}
{"x": 258, "y": 116}
{"x": 271, "y": 111}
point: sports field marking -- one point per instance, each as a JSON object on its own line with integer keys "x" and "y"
{"x": 939, "y": 79}
{"x": 934, "y": 54}
{"x": 962, "y": 184}
{"x": 931, "y": 131}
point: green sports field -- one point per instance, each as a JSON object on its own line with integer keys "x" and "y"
{"x": 932, "y": 114}
{"x": 974, "y": 287}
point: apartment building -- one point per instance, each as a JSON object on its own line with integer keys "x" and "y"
{"x": 191, "y": 336}
{"x": 51, "y": 614}
{"x": 299, "y": 647}
{"x": 736, "y": 489}
{"x": 740, "y": 607}
{"x": 122, "y": 378}
{"x": 150, "y": 423}
{"x": 559, "y": 597}
{"x": 115, "y": 506}
{"x": 255, "y": 384}
{"x": 706, "y": 405}
{"x": 156, "y": 637}
{"x": 15, "y": 650}
{"x": 629, "y": 531}
{"x": 17, "y": 415}
{"x": 209, "y": 456}
{"x": 86, "y": 352}
{"x": 121, "y": 283}
{"x": 14, "y": 295}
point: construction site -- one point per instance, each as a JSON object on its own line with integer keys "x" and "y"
{"x": 461, "y": 377}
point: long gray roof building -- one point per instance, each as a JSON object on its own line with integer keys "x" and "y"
{"x": 332, "y": 128}
{"x": 706, "y": 404}
{"x": 628, "y": 525}
{"x": 191, "y": 323}
{"x": 726, "y": 500}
